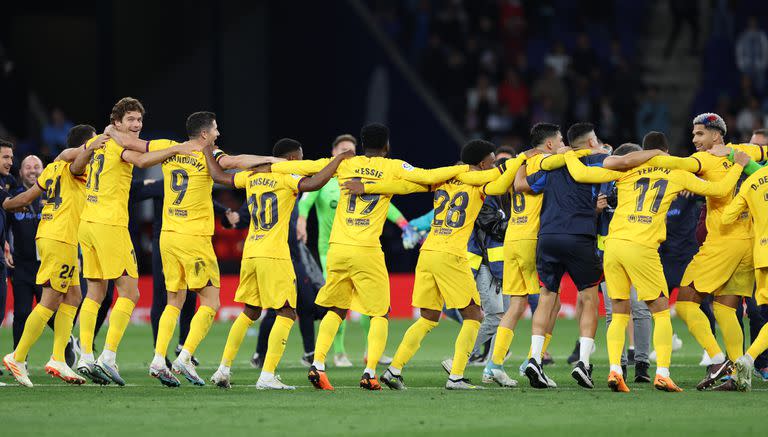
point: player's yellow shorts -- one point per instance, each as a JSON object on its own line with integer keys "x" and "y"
{"x": 189, "y": 262}
{"x": 520, "y": 275}
{"x": 761, "y": 292}
{"x": 443, "y": 278}
{"x": 59, "y": 266}
{"x": 266, "y": 283}
{"x": 723, "y": 267}
{"x": 627, "y": 263}
{"x": 107, "y": 251}
{"x": 357, "y": 280}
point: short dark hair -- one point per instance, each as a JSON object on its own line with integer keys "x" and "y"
{"x": 655, "y": 141}
{"x": 80, "y": 134}
{"x": 123, "y": 106}
{"x": 475, "y": 151}
{"x": 506, "y": 149}
{"x": 374, "y": 136}
{"x": 541, "y": 131}
{"x": 197, "y": 122}
{"x": 5, "y": 143}
{"x": 763, "y": 132}
{"x": 626, "y": 148}
{"x": 578, "y": 131}
{"x": 344, "y": 137}
{"x": 284, "y": 146}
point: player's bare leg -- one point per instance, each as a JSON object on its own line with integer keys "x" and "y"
{"x": 326, "y": 332}
{"x": 166, "y": 326}
{"x": 688, "y": 308}
{"x": 221, "y": 378}
{"x": 582, "y": 370}
{"x": 662, "y": 343}
{"x": 278, "y": 336}
{"x": 539, "y": 326}
{"x": 198, "y": 329}
{"x": 128, "y": 291}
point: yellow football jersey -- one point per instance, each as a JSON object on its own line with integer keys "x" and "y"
{"x": 645, "y": 194}
{"x": 359, "y": 219}
{"x": 64, "y": 198}
{"x": 271, "y": 199}
{"x": 713, "y": 168}
{"x": 107, "y": 186}
{"x": 753, "y": 195}
{"x": 526, "y": 207}
{"x": 187, "y": 186}
{"x": 456, "y": 207}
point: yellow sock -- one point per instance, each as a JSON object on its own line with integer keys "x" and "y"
{"x": 463, "y": 347}
{"x": 503, "y": 340}
{"x": 760, "y": 344}
{"x": 118, "y": 322}
{"x": 662, "y": 338}
{"x": 33, "y": 328}
{"x": 198, "y": 328}
{"x": 698, "y": 325}
{"x": 89, "y": 312}
{"x": 325, "y": 334}
{"x": 412, "y": 341}
{"x": 165, "y": 328}
{"x": 615, "y": 337}
{"x": 62, "y": 329}
{"x": 547, "y": 340}
{"x": 235, "y": 338}
{"x": 377, "y": 340}
{"x": 278, "y": 337}
{"x": 733, "y": 336}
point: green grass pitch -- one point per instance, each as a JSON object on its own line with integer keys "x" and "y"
{"x": 144, "y": 407}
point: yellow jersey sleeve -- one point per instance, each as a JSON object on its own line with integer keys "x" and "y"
{"x": 241, "y": 179}
{"x": 291, "y": 182}
{"x": 406, "y": 171}
{"x": 757, "y": 153}
{"x": 302, "y": 167}
{"x": 553, "y": 162}
{"x": 155, "y": 145}
{"x": 733, "y": 210}
{"x": 479, "y": 178}
{"x": 589, "y": 175}
{"x": 699, "y": 186}
{"x": 690, "y": 164}
{"x": 502, "y": 184}
{"x": 395, "y": 186}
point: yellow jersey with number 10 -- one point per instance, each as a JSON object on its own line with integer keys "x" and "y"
{"x": 271, "y": 198}
{"x": 525, "y": 210}
{"x": 64, "y": 198}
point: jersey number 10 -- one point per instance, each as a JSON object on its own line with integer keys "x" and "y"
{"x": 263, "y": 212}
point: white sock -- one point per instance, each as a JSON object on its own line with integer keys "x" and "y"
{"x": 617, "y": 369}
{"x": 370, "y": 372}
{"x": 585, "y": 349}
{"x": 453, "y": 377}
{"x": 184, "y": 356}
{"x": 663, "y": 371}
{"x": 158, "y": 360}
{"x": 537, "y": 344}
{"x": 319, "y": 366}
{"x": 108, "y": 356}
{"x": 717, "y": 359}
{"x": 395, "y": 371}
{"x": 224, "y": 369}
{"x": 750, "y": 359}
{"x": 88, "y": 357}
{"x": 266, "y": 375}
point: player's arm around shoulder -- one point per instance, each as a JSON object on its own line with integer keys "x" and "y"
{"x": 392, "y": 186}
{"x": 589, "y": 175}
{"x": 86, "y": 153}
{"x": 631, "y": 160}
{"x": 721, "y": 187}
{"x": 217, "y": 173}
{"x": 503, "y": 183}
{"x": 242, "y": 162}
{"x": 28, "y": 196}
{"x": 738, "y": 204}
{"x": 302, "y": 167}
{"x": 427, "y": 176}
{"x": 319, "y": 179}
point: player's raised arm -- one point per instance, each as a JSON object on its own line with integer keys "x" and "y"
{"x": 22, "y": 199}
{"x": 480, "y": 178}
{"x": 77, "y": 167}
{"x": 751, "y": 166}
{"x": 355, "y": 186}
{"x": 502, "y": 184}
{"x": 319, "y": 179}
{"x": 632, "y": 159}
{"x": 69, "y": 154}
{"x": 216, "y": 171}
{"x": 127, "y": 141}
{"x": 717, "y": 189}
{"x": 588, "y": 175}
{"x": 300, "y": 167}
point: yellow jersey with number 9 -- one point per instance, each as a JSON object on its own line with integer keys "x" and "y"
{"x": 271, "y": 198}
{"x": 456, "y": 208}
{"x": 108, "y": 183}
{"x": 525, "y": 211}
{"x": 187, "y": 186}
{"x": 64, "y": 198}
